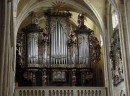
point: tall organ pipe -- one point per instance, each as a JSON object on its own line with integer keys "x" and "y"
{"x": 62, "y": 44}
{"x": 63, "y": 51}
{"x": 32, "y": 48}
{"x": 65, "y": 48}
{"x": 58, "y": 44}
{"x": 51, "y": 46}
{"x": 54, "y": 46}
{"x": 33, "y": 51}
{"x": 56, "y": 41}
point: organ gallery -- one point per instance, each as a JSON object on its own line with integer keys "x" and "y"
{"x": 59, "y": 54}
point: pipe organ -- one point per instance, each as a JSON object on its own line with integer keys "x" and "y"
{"x": 58, "y": 43}
{"x": 58, "y": 55}
{"x": 32, "y": 48}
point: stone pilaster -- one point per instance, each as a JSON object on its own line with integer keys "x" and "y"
{"x": 125, "y": 35}
{"x": 108, "y": 81}
{"x": 6, "y": 56}
{"x": 2, "y": 39}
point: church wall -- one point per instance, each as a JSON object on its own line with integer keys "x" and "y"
{"x": 100, "y": 7}
{"x": 126, "y": 28}
{"x": 121, "y": 88}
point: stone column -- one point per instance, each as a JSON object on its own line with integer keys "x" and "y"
{"x": 107, "y": 72}
{"x": 125, "y": 35}
{"x": 7, "y": 56}
{"x": 3, "y": 16}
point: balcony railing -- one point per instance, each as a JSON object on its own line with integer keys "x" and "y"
{"x": 60, "y": 91}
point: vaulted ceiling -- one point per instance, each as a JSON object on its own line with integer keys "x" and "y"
{"x": 93, "y": 10}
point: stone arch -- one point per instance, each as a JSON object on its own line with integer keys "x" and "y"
{"x": 92, "y": 14}
{"x": 90, "y": 10}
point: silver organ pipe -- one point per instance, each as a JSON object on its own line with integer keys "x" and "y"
{"x": 62, "y": 46}
{"x": 63, "y": 50}
{"x": 36, "y": 48}
{"x": 62, "y": 42}
{"x": 53, "y": 35}
{"x": 52, "y": 48}
{"x": 29, "y": 52}
{"x": 59, "y": 37}
{"x": 56, "y": 43}
{"x": 59, "y": 49}
{"x": 32, "y": 48}
{"x": 46, "y": 58}
{"x": 83, "y": 51}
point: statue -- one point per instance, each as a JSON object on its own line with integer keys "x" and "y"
{"x": 81, "y": 19}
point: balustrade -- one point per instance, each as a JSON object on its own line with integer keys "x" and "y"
{"x": 60, "y": 91}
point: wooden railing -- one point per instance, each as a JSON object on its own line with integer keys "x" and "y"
{"x": 60, "y": 91}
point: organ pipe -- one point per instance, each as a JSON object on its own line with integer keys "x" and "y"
{"x": 59, "y": 37}
{"x": 32, "y": 48}
{"x": 58, "y": 44}
{"x": 57, "y": 50}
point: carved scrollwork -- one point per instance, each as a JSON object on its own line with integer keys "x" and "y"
{"x": 21, "y": 49}
{"x": 94, "y": 49}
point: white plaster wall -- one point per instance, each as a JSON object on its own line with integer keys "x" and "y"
{"x": 119, "y": 89}
{"x": 100, "y": 6}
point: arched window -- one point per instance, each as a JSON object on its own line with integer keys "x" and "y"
{"x": 115, "y": 19}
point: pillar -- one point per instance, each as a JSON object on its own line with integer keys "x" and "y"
{"x": 2, "y": 39}
{"x": 6, "y": 55}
